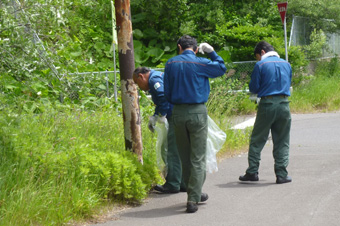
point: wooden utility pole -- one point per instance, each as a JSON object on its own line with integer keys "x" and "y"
{"x": 130, "y": 101}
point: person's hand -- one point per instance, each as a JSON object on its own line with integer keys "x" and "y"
{"x": 162, "y": 119}
{"x": 152, "y": 123}
{"x": 205, "y": 48}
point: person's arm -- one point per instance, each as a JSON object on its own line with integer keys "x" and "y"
{"x": 215, "y": 67}
{"x": 157, "y": 89}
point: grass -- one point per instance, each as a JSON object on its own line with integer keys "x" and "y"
{"x": 318, "y": 95}
{"x": 60, "y": 167}
{"x": 320, "y": 92}
{"x": 57, "y": 167}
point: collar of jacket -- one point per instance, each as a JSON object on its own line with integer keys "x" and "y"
{"x": 188, "y": 51}
{"x": 269, "y": 54}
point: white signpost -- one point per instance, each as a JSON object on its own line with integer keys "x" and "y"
{"x": 114, "y": 43}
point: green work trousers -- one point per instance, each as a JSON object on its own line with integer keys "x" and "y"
{"x": 173, "y": 180}
{"x": 191, "y": 129}
{"x": 273, "y": 114}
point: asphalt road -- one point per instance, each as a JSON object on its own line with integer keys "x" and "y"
{"x": 312, "y": 199}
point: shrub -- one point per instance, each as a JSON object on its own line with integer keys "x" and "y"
{"x": 60, "y": 165}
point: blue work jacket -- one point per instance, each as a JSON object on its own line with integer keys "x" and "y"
{"x": 271, "y": 76}
{"x": 186, "y": 77}
{"x": 156, "y": 86}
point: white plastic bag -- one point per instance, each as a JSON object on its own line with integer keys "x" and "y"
{"x": 215, "y": 141}
{"x": 162, "y": 146}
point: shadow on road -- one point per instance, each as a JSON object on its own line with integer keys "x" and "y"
{"x": 238, "y": 184}
{"x": 156, "y": 194}
{"x": 160, "y": 212}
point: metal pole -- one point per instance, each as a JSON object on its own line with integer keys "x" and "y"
{"x": 285, "y": 31}
{"x": 115, "y": 72}
{"x": 107, "y": 85}
{"x": 130, "y": 101}
{"x": 292, "y": 32}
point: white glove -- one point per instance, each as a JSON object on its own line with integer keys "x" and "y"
{"x": 162, "y": 119}
{"x": 205, "y": 48}
{"x": 152, "y": 123}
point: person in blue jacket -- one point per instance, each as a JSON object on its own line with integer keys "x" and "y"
{"x": 270, "y": 80}
{"x": 186, "y": 86}
{"x": 152, "y": 81}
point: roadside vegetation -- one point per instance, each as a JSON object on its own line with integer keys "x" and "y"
{"x": 59, "y": 166}
{"x": 65, "y": 165}
{"x": 62, "y": 151}
{"x": 318, "y": 92}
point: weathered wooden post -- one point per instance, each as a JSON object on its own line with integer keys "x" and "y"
{"x": 130, "y": 101}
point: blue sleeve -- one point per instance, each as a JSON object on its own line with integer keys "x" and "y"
{"x": 214, "y": 67}
{"x": 255, "y": 80}
{"x": 158, "y": 97}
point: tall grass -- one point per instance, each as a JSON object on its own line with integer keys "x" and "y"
{"x": 60, "y": 166}
{"x": 228, "y": 99}
{"x": 56, "y": 167}
{"x": 319, "y": 92}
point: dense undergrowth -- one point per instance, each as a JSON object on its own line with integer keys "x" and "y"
{"x": 59, "y": 166}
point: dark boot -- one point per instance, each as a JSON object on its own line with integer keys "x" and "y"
{"x": 249, "y": 177}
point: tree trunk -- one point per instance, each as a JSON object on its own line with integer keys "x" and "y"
{"x": 130, "y": 101}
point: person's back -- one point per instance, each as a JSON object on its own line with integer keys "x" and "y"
{"x": 271, "y": 76}
{"x": 186, "y": 85}
{"x": 189, "y": 81}
{"x": 270, "y": 80}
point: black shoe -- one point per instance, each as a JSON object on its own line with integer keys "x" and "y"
{"x": 281, "y": 180}
{"x": 204, "y": 197}
{"x": 191, "y": 207}
{"x": 249, "y": 177}
{"x": 163, "y": 189}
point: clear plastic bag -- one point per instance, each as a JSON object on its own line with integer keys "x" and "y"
{"x": 162, "y": 146}
{"x": 215, "y": 141}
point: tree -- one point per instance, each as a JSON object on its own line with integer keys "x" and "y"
{"x": 323, "y": 14}
{"x": 130, "y": 101}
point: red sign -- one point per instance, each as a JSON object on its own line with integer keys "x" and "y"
{"x": 282, "y": 10}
